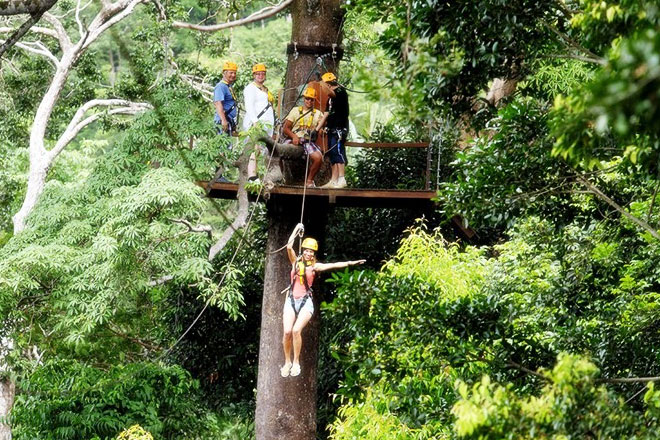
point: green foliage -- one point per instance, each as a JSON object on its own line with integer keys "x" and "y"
{"x": 416, "y": 296}
{"x": 509, "y": 172}
{"x": 619, "y": 105}
{"x": 371, "y": 420}
{"x": 436, "y": 314}
{"x": 65, "y": 399}
{"x": 571, "y": 405}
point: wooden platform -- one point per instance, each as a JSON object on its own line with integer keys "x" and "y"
{"x": 349, "y": 197}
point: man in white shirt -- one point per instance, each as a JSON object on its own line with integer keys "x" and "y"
{"x": 258, "y": 110}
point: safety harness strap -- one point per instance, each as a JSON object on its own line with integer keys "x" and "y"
{"x": 308, "y": 294}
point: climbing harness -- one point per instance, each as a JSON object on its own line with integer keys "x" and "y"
{"x": 300, "y": 276}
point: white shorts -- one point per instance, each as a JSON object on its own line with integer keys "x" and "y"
{"x": 308, "y": 307}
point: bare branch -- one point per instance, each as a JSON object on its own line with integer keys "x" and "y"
{"x": 599, "y": 61}
{"x": 198, "y": 84}
{"x": 575, "y": 45}
{"x": 201, "y": 228}
{"x": 62, "y": 36}
{"x": 160, "y": 281}
{"x": 639, "y": 222}
{"x": 110, "y": 14}
{"x": 81, "y": 28}
{"x": 629, "y": 379}
{"x": 77, "y": 123}
{"x": 194, "y": 82}
{"x": 517, "y": 366}
{"x": 266, "y": 12}
{"x": 243, "y": 207}
{"x": 44, "y": 31}
{"x": 39, "y": 51}
{"x": 161, "y": 10}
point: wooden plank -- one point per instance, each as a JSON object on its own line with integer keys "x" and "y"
{"x": 388, "y": 144}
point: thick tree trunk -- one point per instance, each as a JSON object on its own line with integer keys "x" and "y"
{"x": 286, "y": 407}
{"x": 316, "y": 27}
{"x": 7, "y": 392}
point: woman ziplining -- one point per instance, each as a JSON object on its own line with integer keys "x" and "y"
{"x": 298, "y": 305}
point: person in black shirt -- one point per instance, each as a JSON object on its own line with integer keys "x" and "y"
{"x": 337, "y": 126}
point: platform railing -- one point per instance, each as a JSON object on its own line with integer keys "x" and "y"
{"x": 427, "y": 175}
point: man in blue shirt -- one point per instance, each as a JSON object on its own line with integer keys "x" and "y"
{"x": 224, "y": 100}
{"x": 226, "y": 111}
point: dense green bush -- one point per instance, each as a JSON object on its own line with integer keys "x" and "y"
{"x": 66, "y": 399}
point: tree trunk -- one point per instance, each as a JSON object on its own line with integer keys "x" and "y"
{"x": 316, "y": 27}
{"x": 286, "y": 407}
{"x": 7, "y": 393}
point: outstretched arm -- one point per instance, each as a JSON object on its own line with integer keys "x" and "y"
{"x": 289, "y": 245}
{"x": 321, "y": 267}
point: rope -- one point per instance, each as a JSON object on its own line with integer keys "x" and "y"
{"x": 437, "y": 170}
{"x": 302, "y": 208}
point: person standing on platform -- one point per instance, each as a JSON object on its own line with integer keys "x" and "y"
{"x": 224, "y": 100}
{"x": 301, "y": 127}
{"x": 258, "y": 109}
{"x": 226, "y": 110}
{"x": 336, "y": 121}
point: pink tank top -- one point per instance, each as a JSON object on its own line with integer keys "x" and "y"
{"x": 299, "y": 289}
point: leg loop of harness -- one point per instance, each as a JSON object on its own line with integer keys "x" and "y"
{"x": 302, "y": 303}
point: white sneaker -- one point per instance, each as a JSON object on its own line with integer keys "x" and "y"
{"x": 330, "y": 184}
{"x": 340, "y": 183}
{"x": 284, "y": 371}
{"x": 295, "y": 370}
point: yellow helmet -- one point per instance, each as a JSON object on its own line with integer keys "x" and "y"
{"x": 310, "y": 93}
{"x": 229, "y": 65}
{"x": 258, "y": 68}
{"x": 310, "y": 243}
{"x": 328, "y": 77}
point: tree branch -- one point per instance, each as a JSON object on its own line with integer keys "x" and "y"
{"x": 599, "y": 61}
{"x": 517, "y": 366}
{"x": 160, "y": 281}
{"x": 287, "y": 151}
{"x": 198, "y": 84}
{"x": 639, "y": 222}
{"x": 109, "y": 15}
{"x": 243, "y": 204}
{"x": 266, "y": 12}
{"x": 575, "y": 45}
{"x": 40, "y": 51}
{"x": 81, "y": 28}
{"x": 60, "y": 32}
{"x": 18, "y": 7}
{"x": 564, "y": 9}
{"x": 202, "y": 228}
{"x": 629, "y": 379}
{"x": 77, "y": 123}
{"x": 18, "y": 34}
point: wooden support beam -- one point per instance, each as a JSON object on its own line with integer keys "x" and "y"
{"x": 345, "y": 197}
